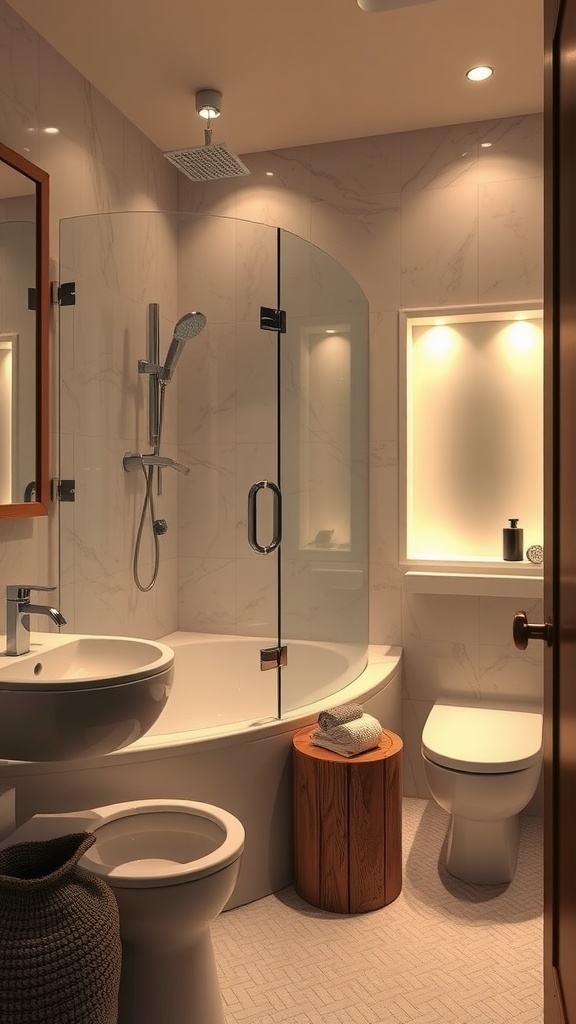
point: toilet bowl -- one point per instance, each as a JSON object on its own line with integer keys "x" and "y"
{"x": 172, "y": 865}
{"x": 482, "y": 765}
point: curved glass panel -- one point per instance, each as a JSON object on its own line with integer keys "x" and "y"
{"x": 244, "y": 405}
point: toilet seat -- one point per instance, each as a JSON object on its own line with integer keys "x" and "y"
{"x": 482, "y": 740}
{"x": 149, "y": 843}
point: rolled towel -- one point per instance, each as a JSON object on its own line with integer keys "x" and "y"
{"x": 351, "y": 738}
{"x": 339, "y": 716}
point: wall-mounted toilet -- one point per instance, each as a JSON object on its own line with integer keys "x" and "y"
{"x": 172, "y": 865}
{"x": 482, "y": 765}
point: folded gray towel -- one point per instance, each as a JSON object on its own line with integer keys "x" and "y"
{"x": 351, "y": 738}
{"x": 339, "y": 716}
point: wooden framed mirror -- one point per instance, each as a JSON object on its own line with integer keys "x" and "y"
{"x": 24, "y": 345}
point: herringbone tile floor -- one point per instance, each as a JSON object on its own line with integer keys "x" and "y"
{"x": 445, "y": 952}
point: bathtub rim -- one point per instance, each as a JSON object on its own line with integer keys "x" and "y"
{"x": 383, "y": 665}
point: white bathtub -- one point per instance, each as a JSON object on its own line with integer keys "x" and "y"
{"x": 218, "y": 740}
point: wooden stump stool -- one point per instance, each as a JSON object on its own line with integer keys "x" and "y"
{"x": 347, "y": 825}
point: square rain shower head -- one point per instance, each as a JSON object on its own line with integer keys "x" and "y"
{"x": 208, "y": 162}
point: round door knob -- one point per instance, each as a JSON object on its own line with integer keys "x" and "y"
{"x": 523, "y": 631}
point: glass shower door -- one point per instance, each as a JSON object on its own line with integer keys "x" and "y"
{"x": 323, "y": 472}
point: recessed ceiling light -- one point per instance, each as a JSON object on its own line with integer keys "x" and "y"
{"x": 269, "y": 174}
{"x": 485, "y": 145}
{"x": 480, "y": 73}
{"x": 51, "y": 131}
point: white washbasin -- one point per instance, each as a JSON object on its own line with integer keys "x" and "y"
{"x": 76, "y": 696}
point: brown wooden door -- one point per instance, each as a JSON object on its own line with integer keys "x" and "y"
{"x": 560, "y": 513}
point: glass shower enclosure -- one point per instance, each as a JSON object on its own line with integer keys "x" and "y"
{"x": 265, "y": 533}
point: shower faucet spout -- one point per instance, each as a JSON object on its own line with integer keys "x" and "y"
{"x": 132, "y": 461}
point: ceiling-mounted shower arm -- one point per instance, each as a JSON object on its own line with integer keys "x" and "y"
{"x": 133, "y": 461}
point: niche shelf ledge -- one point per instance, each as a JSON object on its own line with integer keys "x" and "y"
{"x": 473, "y": 584}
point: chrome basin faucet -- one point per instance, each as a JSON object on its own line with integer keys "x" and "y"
{"x": 18, "y": 610}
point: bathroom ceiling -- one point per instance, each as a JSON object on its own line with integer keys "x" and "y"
{"x": 294, "y": 72}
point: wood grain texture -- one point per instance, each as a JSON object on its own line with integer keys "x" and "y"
{"x": 348, "y": 825}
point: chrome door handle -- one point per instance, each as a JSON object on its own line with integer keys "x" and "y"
{"x": 523, "y": 631}
{"x": 264, "y": 549}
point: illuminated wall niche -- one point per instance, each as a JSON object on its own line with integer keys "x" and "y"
{"x": 326, "y": 442}
{"x": 473, "y": 425}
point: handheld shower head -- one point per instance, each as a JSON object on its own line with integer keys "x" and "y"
{"x": 188, "y": 326}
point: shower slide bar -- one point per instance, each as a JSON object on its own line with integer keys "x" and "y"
{"x": 132, "y": 462}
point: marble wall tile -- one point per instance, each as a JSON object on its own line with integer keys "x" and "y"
{"x": 62, "y": 98}
{"x": 256, "y": 277}
{"x": 414, "y": 715}
{"x": 207, "y": 594}
{"x": 277, "y": 190}
{"x": 510, "y": 231}
{"x": 296, "y": 618}
{"x": 445, "y": 670}
{"x": 104, "y": 130}
{"x": 516, "y": 149}
{"x": 100, "y": 605}
{"x": 385, "y": 615}
{"x": 495, "y": 616}
{"x": 207, "y": 501}
{"x": 57, "y": 154}
{"x": 206, "y": 197}
{"x": 206, "y": 384}
{"x": 254, "y": 461}
{"x": 384, "y": 502}
{"x": 172, "y": 306}
{"x": 344, "y": 174}
{"x": 440, "y": 617}
{"x": 509, "y": 678}
{"x": 104, "y": 396}
{"x": 19, "y": 65}
{"x": 384, "y": 384}
{"x": 147, "y": 172}
{"x": 19, "y": 127}
{"x": 21, "y": 558}
{"x": 440, "y": 157}
{"x": 256, "y": 596}
{"x": 339, "y": 602}
{"x": 255, "y": 383}
{"x": 439, "y": 247}
{"x": 207, "y": 266}
{"x": 289, "y": 170}
{"x": 365, "y": 238}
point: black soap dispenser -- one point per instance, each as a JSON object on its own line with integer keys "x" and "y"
{"x": 513, "y": 539}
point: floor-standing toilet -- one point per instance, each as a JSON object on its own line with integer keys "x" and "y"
{"x": 482, "y": 765}
{"x": 172, "y": 865}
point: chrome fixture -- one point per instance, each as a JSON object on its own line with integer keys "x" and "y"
{"x": 188, "y": 326}
{"x": 132, "y": 461}
{"x": 264, "y": 549}
{"x": 208, "y": 103}
{"x": 208, "y": 162}
{"x": 374, "y": 6}
{"x": 18, "y": 611}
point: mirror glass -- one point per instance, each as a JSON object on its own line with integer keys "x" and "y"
{"x": 24, "y": 301}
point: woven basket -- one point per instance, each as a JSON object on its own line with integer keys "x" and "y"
{"x": 60, "y": 948}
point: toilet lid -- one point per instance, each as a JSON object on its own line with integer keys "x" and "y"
{"x": 482, "y": 739}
